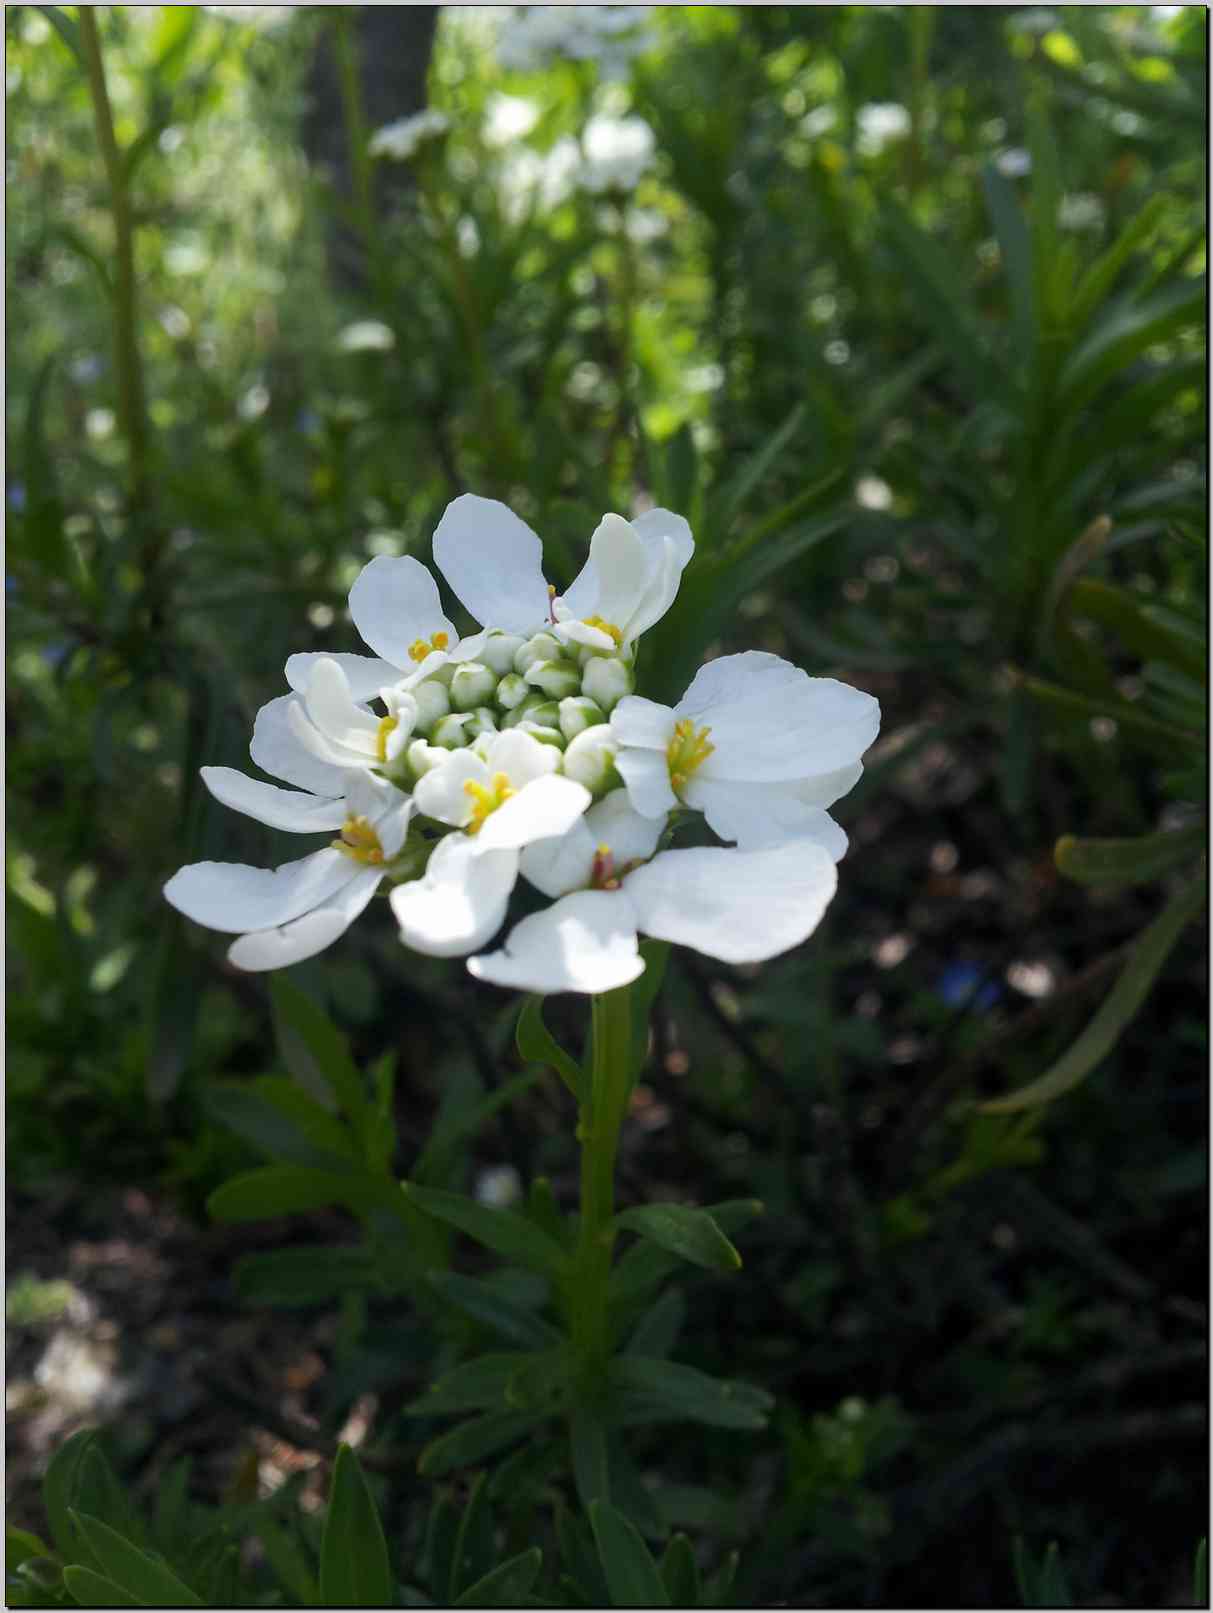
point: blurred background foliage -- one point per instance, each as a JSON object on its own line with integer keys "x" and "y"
{"x": 903, "y": 307}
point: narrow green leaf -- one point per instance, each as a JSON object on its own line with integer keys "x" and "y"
{"x": 1015, "y": 247}
{"x": 507, "y": 1585}
{"x": 668, "y": 1391}
{"x": 307, "y": 1276}
{"x": 734, "y": 495}
{"x": 631, "y": 1574}
{"x": 238, "y": 1106}
{"x": 315, "y": 1051}
{"x": 1145, "y": 961}
{"x": 691, "y": 1233}
{"x": 19, "y": 1545}
{"x": 1137, "y": 624}
{"x": 457, "y": 1124}
{"x": 657, "y": 1331}
{"x": 1160, "y": 737}
{"x": 1200, "y": 1575}
{"x": 482, "y": 1302}
{"x": 355, "y": 1570}
{"x": 680, "y": 1573}
{"x": 644, "y": 993}
{"x": 1124, "y": 335}
{"x": 509, "y": 1234}
{"x": 471, "y": 1528}
{"x": 537, "y": 1045}
{"x": 67, "y": 30}
{"x": 1100, "y": 278}
{"x": 90, "y": 1589}
{"x": 1127, "y": 862}
{"x": 719, "y": 1589}
{"x": 478, "y": 1385}
{"x": 287, "y": 1189}
{"x": 588, "y": 1452}
{"x": 150, "y": 1582}
{"x": 472, "y": 1441}
{"x": 289, "y": 1558}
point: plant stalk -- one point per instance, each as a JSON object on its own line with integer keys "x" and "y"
{"x": 132, "y": 409}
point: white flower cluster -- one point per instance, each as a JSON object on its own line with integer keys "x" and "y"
{"x": 522, "y": 749}
{"x": 402, "y": 139}
{"x": 532, "y": 37}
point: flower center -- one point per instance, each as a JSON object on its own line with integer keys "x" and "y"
{"x": 687, "y": 751}
{"x": 420, "y": 648}
{"x": 387, "y": 725}
{"x": 487, "y": 798}
{"x": 359, "y": 840}
{"x": 603, "y": 876}
{"x": 608, "y": 628}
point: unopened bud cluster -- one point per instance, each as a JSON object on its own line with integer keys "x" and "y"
{"x": 561, "y": 694}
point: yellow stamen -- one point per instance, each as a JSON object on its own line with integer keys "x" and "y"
{"x": 608, "y": 628}
{"x": 387, "y": 725}
{"x": 359, "y": 840}
{"x": 687, "y": 752}
{"x": 420, "y": 648}
{"x": 486, "y": 798}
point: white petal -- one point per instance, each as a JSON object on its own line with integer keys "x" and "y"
{"x": 660, "y": 530}
{"x": 295, "y": 810}
{"x": 440, "y": 793}
{"x": 547, "y": 806}
{"x": 365, "y": 673}
{"x": 394, "y": 602}
{"x": 646, "y": 774}
{"x": 304, "y": 937}
{"x": 763, "y": 814}
{"x": 637, "y": 721}
{"x": 560, "y": 863}
{"x": 334, "y": 711}
{"x": 622, "y": 565}
{"x": 613, "y": 822}
{"x": 574, "y": 632}
{"x": 460, "y": 901}
{"x": 521, "y": 757}
{"x": 494, "y": 562}
{"x": 369, "y": 796}
{"x": 333, "y": 752}
{"x": 741, "y": 906}
{"x": 276, "y": 749}
{"x": 586, "y": 942}
{"x": 770, "y": 720}
{"x": 233, "y": 896}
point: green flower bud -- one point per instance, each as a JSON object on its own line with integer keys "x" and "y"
{"x": 537, "y": 708}
{"x": 433, "y": 702}
{"x": 543, "y": 647}
{"x": 555, "y": 678}
{"x": 471, "y": 685}
{"x": 512, "y": 691}
{"x": 499, "y": 650}
{"x": 421, "y": 756}
{"x": 606, "y": 680}
{"x": 590, "y": 759}
{"x": 449, "y": 732}
{"x": 544, "y": 734}
{"x": 578, "y": 713}
{"x": 481, "y": 721}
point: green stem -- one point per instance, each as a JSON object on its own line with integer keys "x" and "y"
{"x": 132, "y": 411}
{"x": 602, "y": 1115}
{"x": 357, "y": 138}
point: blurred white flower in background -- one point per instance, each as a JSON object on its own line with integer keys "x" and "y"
{"x": 617, "y": 152}
{"x": 1080, "y": 211}
{"x": 366, "y": 336}
{"x": 532, "y": 37}
{"x": 1014, "y": 163}
{"x": 879, "y": 123}
{"x": 509, "y": 118}
{"x": 401, "y": 140}
{"x": 253, "y": 16}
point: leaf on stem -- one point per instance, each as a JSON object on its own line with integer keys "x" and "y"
{"x": 631, "y": 1574}
{"x": 537, "y": 1045}
{"x": 355, "y": 1569}
{"x": 684, "y": 1231}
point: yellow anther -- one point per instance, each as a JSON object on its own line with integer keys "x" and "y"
{"x": 386, "y": 726}
{"x": 687, "y": 752}
{"x": 551, "y": 590}
{"x": 486, "y": 798}
{"x": 608, "y": 628}
{"x": 604, "y": 850}
{"x": 420, "y": 648}
{"x": 359, "y": 840}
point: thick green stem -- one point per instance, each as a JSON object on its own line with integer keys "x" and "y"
{"x": 601, "y": 1118}
{"x": 132, "y": 411}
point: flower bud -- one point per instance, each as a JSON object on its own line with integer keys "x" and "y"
{"x": 578, "y": 713}
{"x": 606, "y": 680}
{"x": 545, "y": 734}
{"x": 449, "y": 731}
{"x": 480, "y": 721}
{"x": 556, "y": 678}
{"x": 543, "y": 647}
{"x": 590, "y": 759}
{"x": 535, "y": 707}
{"x": 421, "y": 756}
{"x": 512, "y": 691}
{"x": 499, "y": 650}
{"x": 433, "y": 702}
{"x": 471, "y": 685}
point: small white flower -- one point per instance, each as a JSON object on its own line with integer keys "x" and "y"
{"x": 509, "y": 118}
{"x": 532, "y": 37}
{"x": 1014, "y": 163}
{"x": 366, "y": 336}
{"x": 755, "y": 744}
{"x": 285, "y": 914}
{"x": 617, "y": 153}
{"x": 740, "y": 906}
{"x": 401, "y": 140}
{"x": 1081, "y": 210}
{"x": 880, "y": 122}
